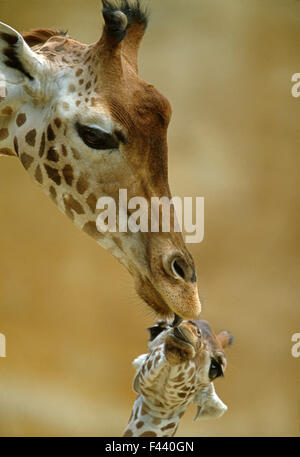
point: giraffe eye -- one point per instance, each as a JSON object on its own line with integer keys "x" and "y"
{"x": 215, "y": 370}
{"x": 96, "y": 138}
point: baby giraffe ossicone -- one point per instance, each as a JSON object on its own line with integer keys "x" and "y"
{"x": 179, "y": 369}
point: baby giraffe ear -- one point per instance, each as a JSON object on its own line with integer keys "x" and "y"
{"x": 225, "y": 339}
{"x": 138, "y": 363}
{"x": 209, "y": 404}
{"x": 18, "y": 63}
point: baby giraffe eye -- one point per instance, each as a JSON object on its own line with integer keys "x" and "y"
{"x": 215, "y": 370}
{"x": 96, "y": 138}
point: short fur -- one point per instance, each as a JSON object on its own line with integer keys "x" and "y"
{"x": 136, "y": 12}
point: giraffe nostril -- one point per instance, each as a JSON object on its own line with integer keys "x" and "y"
{"x": 179, "y": 334}
{"x": 177, "y": 269}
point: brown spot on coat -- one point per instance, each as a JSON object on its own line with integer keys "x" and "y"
{"x": 91, "y": 229}
{"x": 53, "y": 193}
{"x": 3, "y": 134}
{"x": 16, "y": 146}
{"x": 79, "y": 72}
{"x": 72, "y": 204}
{"x": 7, "y": 111}
{"x": 92, "y": 202}
{"x": 148, "y": 434}
{"x": 50, "y": 133}
{"x": 168, "y": 426}
{"x": 53, "y": 174}
{"x": 57, "y": 122}
{"x": 139, "y": 424}
{"x": 6, "y": 152}
{"x": 38, "y": 175}
{"x": 42, "y": 145}
{"x": 64, "y": 150}
{"x": 21, "y": 119}
{"x": 52, "y": 155}
{"x": 26, "y": 160}
{"x": 30, "y": 137}
{"x": 128, "y": 433}
{"x": 82, "y": 184}
{"x": 68, "y": 174}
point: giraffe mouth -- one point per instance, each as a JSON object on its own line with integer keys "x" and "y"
{"x": 177, "y": 321}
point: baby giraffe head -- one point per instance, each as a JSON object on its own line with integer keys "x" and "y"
{"x": 85, "y": 125}
{"x": 179, "y": 369}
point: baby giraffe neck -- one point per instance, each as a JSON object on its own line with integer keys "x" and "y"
{"x": 143, "y": 423}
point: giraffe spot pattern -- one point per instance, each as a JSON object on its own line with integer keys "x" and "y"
{"x": 64, "y": 150}
{"x": 38, "y": 175}
{"x": 52, "y": 155}
{"x": 53, "y": 193}
{"x": 68, "y": 174}
{"x": 53, "y": 174}
{"x": 90, "y": 229}
{"x": 92, "y": 202}
{"x": 26, "y": 160}
{"x": 7, "y": 111}
{"x": 6, "y": 152}
{"x": 21, "y": 119}
{"x": 82, "y": 184}
{"x": 16, "y": 146}
{"x": 139, "y": 424}
{"x": 42, "y": 145}
{"x": 168, "y": 426}
{"x": 3, "y": 134}
{"x": 57, "y": 122}
{"x": 30, "y": 137}
{"x": 50, "y": 133}
{"x": 128, "y": 433}
{"x": 148, "y": 434}
{"x": 72, "y": 204}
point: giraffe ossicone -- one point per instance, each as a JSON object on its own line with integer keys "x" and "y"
{"x": 84, "y": 125}
{"x": 179, "y": 369}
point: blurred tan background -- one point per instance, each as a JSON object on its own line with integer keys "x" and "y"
{"x": 69, "y": 312}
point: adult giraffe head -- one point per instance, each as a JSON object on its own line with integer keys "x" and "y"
{"x": 84, "y": 125}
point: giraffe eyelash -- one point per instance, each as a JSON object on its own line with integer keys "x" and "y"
{"x": 96, "y": 138}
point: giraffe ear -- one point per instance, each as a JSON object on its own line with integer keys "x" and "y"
{"x": 209, "y": 404}
{"x": 138, "y": 363}
{"x": 18, "y": 63}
